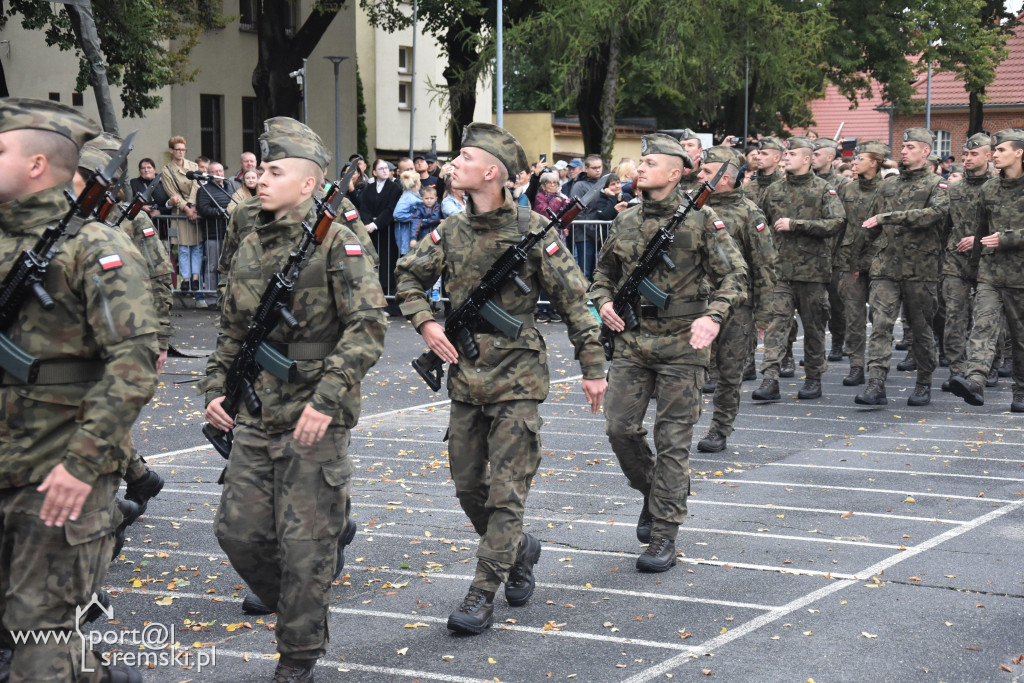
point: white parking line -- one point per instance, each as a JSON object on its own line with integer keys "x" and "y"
{"x": 875, "y": 470}
{"x": 861, "y": 489}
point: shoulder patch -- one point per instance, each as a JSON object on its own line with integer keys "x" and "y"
{"x": 148, "y": 231}
{"x": 351, "y": 215}
{"x": 353, "y": 250}
{"x": 435, "y": 235}
{"x": 831, "y": 191}
{"x": 943, "y": 186}
{"x": 552, "y": 248}
{"x": 111, "y": 261}
{"x": 760, "y": 227}
{"x": 719, "y": 225}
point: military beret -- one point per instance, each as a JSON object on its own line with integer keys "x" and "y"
{"x": 500, "y": 143}
{"x": 934, "y": 159}
{"x": 1008, "y": 135}
{"x": 93, "y": 158}
{"x": 799, "y": 142}
{"x": 978, "y": 140}
{"x": 771, "y": 142}
{"x": 661, "y": 143}
{"x": 919, "y": 135}
{"x": 287, "y": 138}
{"x": 873, "y": 147}
{"x": 821, "y": 143}
{"x": 721, "y": 155}
{"x": 688, "y": 134}
{"x": 956, "y": 168}
{"x": 20, "y": 113}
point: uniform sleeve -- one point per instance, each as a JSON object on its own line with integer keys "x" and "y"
{"x": 725, "y": 265}
{"x": 934, "y": 212}
{"x": 608, "y": 269}
{"x": 351, "y": 216}
{"x": 567, "y": 287}
{"x": 228, "y": 247}
{"x": 833, "y": 215}
{"x": 763, "y": 259}
{"x": 160, "y": 275}
{"x": 417, "y": 272}
{"x": 119, "y": 313}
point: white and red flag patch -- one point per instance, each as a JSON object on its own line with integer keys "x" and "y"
{"x": 760, "y": 227}
{"x": 435, "y": 235}
{"x": 148, "y": 232}
{"x": 719, "y": 225}
{"x": 552, "y": 248}
{"x": 111, "y": 262}
{"x": 353, "y": 250}
{"x": 351, "y": 215}
{"x": 831, "y": 191}
{"x": 943, "y": 186}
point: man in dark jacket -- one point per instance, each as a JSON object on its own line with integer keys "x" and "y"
{"x": 212, "y": 202}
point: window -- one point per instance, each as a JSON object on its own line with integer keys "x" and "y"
{"x": 405, "y": 60}
{"x": 211, "y": 126}
{"x": 247, "y": 15}
{"x": 404, "y": 94}
{"x": 943, "y": 140}
{"x": 77, "y": 100}
{"x": 250, "y": 136}
{"x": 55, "y": 97}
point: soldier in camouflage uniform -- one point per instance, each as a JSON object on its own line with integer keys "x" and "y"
{"x": 908, "y": 214}
{"x": 738, "y": 336}
{"x": 825, "y": 151}
{"x": 959, "y": 260}
{"x": 694, "y": 158}
{"x": 806, "y": 214}
{"x": 853, "y": 257}
{"x": 283, "y": 508}
{"x": 1000, "y": 238}
{"x": 61, "y": 455}
{"x": 666, "y": 356}
{"x": 494, "y": 429}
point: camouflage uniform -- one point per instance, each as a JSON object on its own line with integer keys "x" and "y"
{"x": 282, "y": 510}
{"x": 656, "y": 358}
{"x": 804, "y": 267}
{"x": 853, "y": 257}
{"x": 101, "y": 333}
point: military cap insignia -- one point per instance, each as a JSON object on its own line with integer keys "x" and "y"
{"x": 111, "y": 262}
{"x": 906, "y": 136}
{"x": 351, "y": 215}
{"x": 264, "y": 149}
{"x": 552, "y": 249}
{"x": 643, "y": 146}
{"x": 435, "y": 235}
{"x": 353, "y": 250}
{"x": 760, "y": 227}
{"x": 148, "y": 232}
{"x": 719, "y": 225}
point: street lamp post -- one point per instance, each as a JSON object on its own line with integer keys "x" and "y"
{"x": 336, "y": 61}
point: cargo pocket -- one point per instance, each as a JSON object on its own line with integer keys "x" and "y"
{"x": 330, "y": 498}
{"x": 92, "y": 525}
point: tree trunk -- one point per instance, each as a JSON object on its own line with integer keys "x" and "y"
{"x": 610, "y": 97}
{"x": 84, "y": 27}
{"x": 589, "y": 99}
{"x": 461, "y": 74}
{"x": 976, "y": 121}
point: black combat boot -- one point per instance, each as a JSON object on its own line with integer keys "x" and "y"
{"x": 713, "y": 442}
{"x": 968, "y": 390}
{"x": 993, "y": 378}
{"x": 836, "y": 354}
{"x": 908, "y": 364}
{"x": 873, "y": 395}
{"x": 855, "y": 377}
{"x": 475, "y": 614}
{"x": 749, "y": 371}
{"x": 810, "y": 389}
{"x": 119, "y": 673}
{"x": 922, "y": 395}
{"x": 521, "y": 582}
{"x": 643, "y": 525}
{"x": 346, "y": 539}
{"x": 130, "y": 511}
{"x": 95, "y": 611}
{"x": 659, "y": 556}
{"x": 943, "y": 361}
{"x": 146, "y": 487}
{"x": 1006, "y": 369}
{"x": 904, "y": 344}
{"x": 1018, "y": 402}
{"x": 710, "y": 384}
{"x": 294, "y": 670}
{"x": 787, "y": 368}
{"x": 253, "y": 605}
{"x": 768, "y": 391}
{"x": 945, "y": 384}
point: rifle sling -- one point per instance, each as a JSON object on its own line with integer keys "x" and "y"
{"x": 481, "y": 326}
{"x": 682, "y": 309}
{"x": 305, "y": 350}
{"x": 67, "y": 371}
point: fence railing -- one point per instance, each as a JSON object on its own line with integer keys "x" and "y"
{"x": 211, "y": 232}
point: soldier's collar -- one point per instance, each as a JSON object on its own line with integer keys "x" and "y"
{"x": 720, "y": 197}
{"x": 799, "y": 179}
{"x": 490, "y": 219}
{"x": 763, "y": 179}
{"x": 663, "y": 207}
{"x": 916, "y": 173}
{"x": 275, "y": 228}
{"x": 980, "y": 179}
{"x": 28, "y": 212}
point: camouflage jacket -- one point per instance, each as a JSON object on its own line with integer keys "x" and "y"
{"x": 464, "y": 247}
{"x": 748, "y": 227}
{"x": 999, "y": 210}
{"x": 338, "y": 303}
{"x": 758, "y": 187}
{"x": 146, "y": 239}
{"x": 702, "y": 251}
{"x": 854, "y": 252}
{"x": 834, "y": 178}
{"x": 963, "y": 199}
{"x": 911, "y": 210}
{"x": 102, "y": 323}
{"x": 815, "y": 215}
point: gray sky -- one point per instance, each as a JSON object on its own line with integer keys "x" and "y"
{"x": 1013, "y": 5}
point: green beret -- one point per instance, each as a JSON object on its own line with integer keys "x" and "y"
{"x": 919, "y": 135}
{"x": 287, "y": 138}
{"x": 771, "y": 142}
{"x": 721, "y": 155}
{"x": 1008, "y": 135}
{"x": 821, "y": 143}
{"x": 93, "y": 158}
{"x": 661, "y": 143}
{"x": 799, "y": 142}
{"x": 873, "y": 147}
{"x": 978, "y": 140}
{"x": 19, "y": 113}
{"x": 499, "y": 142}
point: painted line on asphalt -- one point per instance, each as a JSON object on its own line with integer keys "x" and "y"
{"x": 861, "y": 489}
{"x": 875, "y": 470}
{"x": 346, "y": 667}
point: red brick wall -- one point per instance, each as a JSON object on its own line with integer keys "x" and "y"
{"x": 956, "y": 123}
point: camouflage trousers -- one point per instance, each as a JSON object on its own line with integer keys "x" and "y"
{"x": 855, "y": 299}
{"x": 991, "y": 304}
{"x": 663, "y": 479}
{"x": 958, "y": 295}
{"x": 837, "y": 311}
{"x": 494, "y": 453}
{"x": 919, "y": 300}
{"x": 48, "y": 572}
{"x": 281, "y": 513}
{"x": 728, "y": 354}
{"x": 810, "y": 299}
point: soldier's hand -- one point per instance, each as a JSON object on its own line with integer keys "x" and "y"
{"x": 594, "y": 390}
{"x": 610, "y": 318}
{"x": 760, "y": 332}
{"x": 311, "y": 427}
{"x": 160, "y": 360}
{"x": 703, "y": 331}
{"x": 782, "y": 225}
{"x": 991, "y": 240}
{"x": 853, "y": 277}
{"x": 437, "y": 342}
{"x": 217, "y": 417}
{"x": 65, "y": 496}
{"x": 870, "y": 223}
{"x": 966, "y": 244}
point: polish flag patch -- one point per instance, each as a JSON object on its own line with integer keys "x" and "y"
{"x": 719, "y": 225}
{"x": 436, "y": 236}
{"x": 760, "y": 227}
{"x": 351, "y": 215}
{"x": 831, "y": 191}
{"x": 353, "y": 250}
{"x": 943, "y": 186}
{"x": 552, "y": 248}
{"x": 111, "y": 262}
{"x": 148, "y": 232}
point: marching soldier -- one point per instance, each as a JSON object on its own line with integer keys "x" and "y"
{"x": 907, "y": 217}
{"x": 1000, "y": 286}
{"x": 283, "y": 508}
{"x": 825, "y": 152}
{"x": 62, "y": 455}
{"x": 748, "y": 227}
{"x": 667, "y": 355}
{"x": 494, "y": 429}
{"x": 805, "y": 213}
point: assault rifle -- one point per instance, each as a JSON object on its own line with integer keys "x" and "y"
{"x": 25, "y": 279}
{"x": 131, "y": 209}
{"x": 638, "y": 283}
{"x": 460, "y": 324}
{"x": 255, "y": 353}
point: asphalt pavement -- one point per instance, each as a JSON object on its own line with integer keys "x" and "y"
{"x": 828, "y": 542}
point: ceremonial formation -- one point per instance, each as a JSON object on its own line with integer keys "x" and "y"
{"x": 712, "y": 252}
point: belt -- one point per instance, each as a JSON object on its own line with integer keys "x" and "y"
{"x": 305, "y": 350}
{"x": 679, "y": 310}
{"x": 63, "y": 372}
{"x": 484, "y": 327}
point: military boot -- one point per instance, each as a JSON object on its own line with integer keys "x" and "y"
{"x": 643, "y": 525}
{"x": 1018, "y": 402}
{"x": 294, "y": 670}
{"x": 968, "y": 390}
{"x": 475, "y": 614}
{"x": 346, "y": 539}
{"x": 119, "y": 673}
{"x": 873, "y": 395}
{"x": 787, "y": 368}
{"x": 710, "y": 384}
{"x": 768, "y": 391}
{"x": 903, "y": 344}
{"x": 922, "y": 395}
{"x": 253, "y": 605}
{"x": 943, "y": 361}
{"x": 993, "y": 378}
{"x": 855, "y": 377}
{"x": 908, "y": 364}
{"x": 146, "y": 487}
{"x": 945, "y": 384}
{"x": 810, "y": 389}
{"x": 1006, "y": 369}
{"x": 130, "y": 511}
{"x": 95, "y": 611}
{"x": 836, "y": 354}
{"x": 749, "y": 371}
{"x": 713, "y": 442}
{"x": 659, "y": 556}
{"x": 521, "y": 582}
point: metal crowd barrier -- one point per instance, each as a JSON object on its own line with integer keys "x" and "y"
{"x": 213, "y": 229}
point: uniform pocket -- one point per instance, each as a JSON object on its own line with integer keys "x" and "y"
{"x": 92, "y": 525}
{"x": 330, "y": 498}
